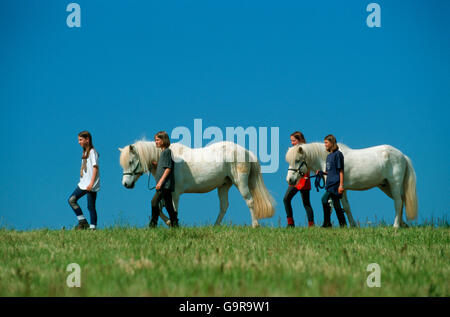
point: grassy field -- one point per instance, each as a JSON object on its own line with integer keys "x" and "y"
{"x": 226, "y": 261}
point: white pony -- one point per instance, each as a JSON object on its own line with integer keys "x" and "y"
{"x": 380, "y": 166}
{"x": 201, "y": 170}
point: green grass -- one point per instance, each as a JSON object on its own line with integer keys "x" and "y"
{"x": 226, "y": 261}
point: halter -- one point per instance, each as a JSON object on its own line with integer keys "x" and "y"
{"x": 320, "y": 180}
{"x": 299, "y": 168}
{"x": 133, "y": 173}
{"x": 135, "y": 170}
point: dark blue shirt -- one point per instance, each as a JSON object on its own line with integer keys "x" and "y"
{"x": 166, "y": 161}
{"x": 335, "y": 163}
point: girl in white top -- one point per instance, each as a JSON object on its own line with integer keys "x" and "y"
{"x": 89, "y": 182}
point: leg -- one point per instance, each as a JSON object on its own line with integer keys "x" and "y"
{"x": 326, "y": 210}
{"x": 155, "y": 208}
{"x": 167, "y": 194}
{"x": 161, "y": 204}
{"x": 164, "y": 218}
{"x": 175, "y": 199}
{"x": 73, "y": 202}
{"x": 290, "y": 193}
{"x": 242, "y": 185}
{"x": 91, "y": 199}
{"x": 307, "y": 205}
{"x": 347, "y": 210}
{"x": 339, "y": 212}
{"x": 222, "y": 191}
{"x": 398, "y": 204}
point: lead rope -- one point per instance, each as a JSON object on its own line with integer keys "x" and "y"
{"x": 319, "y": 179}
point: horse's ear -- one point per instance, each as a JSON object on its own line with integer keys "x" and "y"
{"x": 120, "y": 149}
{"x": 131, "y": 148}
{"x": 300, "y": 149}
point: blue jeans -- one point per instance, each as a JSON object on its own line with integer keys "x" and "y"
{"x": 91, "y": 198}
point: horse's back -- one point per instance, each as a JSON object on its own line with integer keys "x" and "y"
{"x": 371, "y": 166}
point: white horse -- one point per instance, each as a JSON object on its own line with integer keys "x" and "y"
{"x": 201, "y": 170}
{"x": 380, "y": 166}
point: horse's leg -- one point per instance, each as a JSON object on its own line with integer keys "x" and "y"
{"x": 386, "y": 188}
{"x": 330, "y": 202}
{"x": 176, "y": 200}
{"x": 242, "y": 185}
{"x": 398, "y": 203}
{"x": 347, "y": 210}
{"x": 222, "y": 191}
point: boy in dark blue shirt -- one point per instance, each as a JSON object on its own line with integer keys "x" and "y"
{"x": 334, "y": 186}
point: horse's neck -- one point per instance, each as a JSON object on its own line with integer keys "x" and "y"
{"x": 149, "y": 153}
{"x": 317, "y": 155}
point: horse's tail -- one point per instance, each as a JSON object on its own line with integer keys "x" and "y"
{"x": 409, "y": 189}
{"x": 264, "y": 204}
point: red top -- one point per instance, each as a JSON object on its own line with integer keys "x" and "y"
{"x": 304, "y": 183}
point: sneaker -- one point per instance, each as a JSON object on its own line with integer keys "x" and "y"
{"x": 326, "y": 225}
{"x": 82, "y": 225}
{"x": 290, "y": 225}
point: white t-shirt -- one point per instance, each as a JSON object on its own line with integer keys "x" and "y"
{"x": 85, "y": 180}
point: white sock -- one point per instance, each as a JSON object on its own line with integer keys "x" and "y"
{"x": 80, "y": 217}
{"x": 92, "y": 227}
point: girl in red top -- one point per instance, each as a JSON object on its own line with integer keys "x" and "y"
{"x": 303, "y": 185}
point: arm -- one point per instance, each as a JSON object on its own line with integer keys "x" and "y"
{"x": 341, "y": 181}
{"x": 94, "y": 175}
{"x": 163, "y": 178}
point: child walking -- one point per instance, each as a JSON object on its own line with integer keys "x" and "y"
{"x": 165, "y": 181}
{"x": 303, "y": 185}
{"x": 334, "y": 186}
{"x": 89, "y": 183}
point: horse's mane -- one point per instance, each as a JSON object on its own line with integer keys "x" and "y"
{"x": 146, "y": 150}
{"x": 312, "y": 150}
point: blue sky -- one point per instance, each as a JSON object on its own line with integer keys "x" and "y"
{"x": 137, "y": 67}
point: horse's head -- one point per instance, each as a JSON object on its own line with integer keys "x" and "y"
{"x": 296, "y": 157}
{"x": 131, "y": 164}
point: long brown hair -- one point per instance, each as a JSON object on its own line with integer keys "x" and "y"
{"x": 86, "y": 150}
{"x": 299, "y": 136}
{"x": 332, "y": 139}
{"x": 164, "y": 137}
